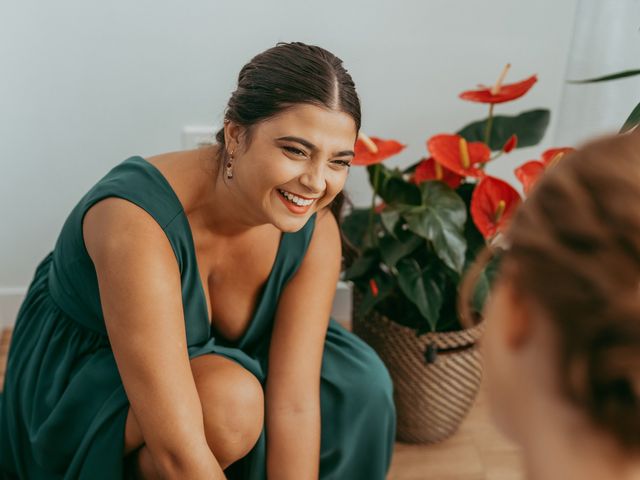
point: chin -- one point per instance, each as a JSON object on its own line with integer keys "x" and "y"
{"x": 290, "y": 223}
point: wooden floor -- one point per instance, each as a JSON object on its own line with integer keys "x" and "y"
{"x": 477, "y": 452}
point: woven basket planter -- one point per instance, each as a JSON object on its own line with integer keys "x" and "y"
{"x": 436, "y": 376}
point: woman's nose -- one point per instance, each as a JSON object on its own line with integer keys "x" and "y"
{"x": 314, "y": 180}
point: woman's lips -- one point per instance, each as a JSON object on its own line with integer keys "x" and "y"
{"x": 297, "y": 209}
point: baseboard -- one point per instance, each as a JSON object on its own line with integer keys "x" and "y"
{"x": 11, "y": 298}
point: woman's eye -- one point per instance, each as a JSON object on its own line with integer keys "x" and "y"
{"x": 294, "y": 150}
{"x": 344, "y": 163}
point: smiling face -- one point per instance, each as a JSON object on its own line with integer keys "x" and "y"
{"x": 295, "y": 164}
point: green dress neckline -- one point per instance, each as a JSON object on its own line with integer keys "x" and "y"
{"x": 198, "y": 279}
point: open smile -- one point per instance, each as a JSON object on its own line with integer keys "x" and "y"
{"x": 295, "y": 203}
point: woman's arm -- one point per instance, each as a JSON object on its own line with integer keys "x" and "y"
{"x": 140, "y": 293}
{"x": 295, "y": 358}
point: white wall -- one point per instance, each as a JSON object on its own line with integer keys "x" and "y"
{"x": 84, "y": 85}
{"x": 606, "y": 39}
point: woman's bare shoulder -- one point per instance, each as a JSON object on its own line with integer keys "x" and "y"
{"x": 189, "y": 172}
{"x": 115, "y": 222}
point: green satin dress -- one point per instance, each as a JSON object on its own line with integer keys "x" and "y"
{"x": 63, "y": 406}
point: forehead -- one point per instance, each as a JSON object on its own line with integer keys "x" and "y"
{"x": 321, "y": 126}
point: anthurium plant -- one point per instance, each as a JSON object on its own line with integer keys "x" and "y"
{"x": 428, "y": 221}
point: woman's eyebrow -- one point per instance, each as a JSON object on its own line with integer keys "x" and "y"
{"x": 312, "y": 147}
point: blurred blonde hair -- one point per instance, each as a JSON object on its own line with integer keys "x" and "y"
{"x": 573, "y": 248}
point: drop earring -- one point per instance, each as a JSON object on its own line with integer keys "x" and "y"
{"x": 228, "y": 166}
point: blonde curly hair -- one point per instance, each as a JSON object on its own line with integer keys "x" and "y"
{"x": 573, "y": 248}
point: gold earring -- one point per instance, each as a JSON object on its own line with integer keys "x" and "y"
{"x": 228, "y": 166}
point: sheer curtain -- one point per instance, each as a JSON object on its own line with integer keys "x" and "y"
{"x": 606, "y": 39}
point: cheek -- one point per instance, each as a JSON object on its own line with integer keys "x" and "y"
{"x": 335, "y": 181}
{"x": 489, "y": 344}
{"x": 270, "y": 177}
{"x": 492, "y": 345}
{"x": 501, "y": 374}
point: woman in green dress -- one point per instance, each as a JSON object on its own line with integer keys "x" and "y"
{"x": 180, "y": 327}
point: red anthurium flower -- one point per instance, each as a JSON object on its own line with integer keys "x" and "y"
{"x": 510, "y": 144}
{"x": 528, "y": 174}
{"x": 551, "y": 156}
{"x": 429, "y": 169}
{"x": 506, "y": 93}
{"x": 453, "y": 152}
{"x": 371, "y": 150}
{"x": 500, "y": 93}
{"x": 492, "y": 204}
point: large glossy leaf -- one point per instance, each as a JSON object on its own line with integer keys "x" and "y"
{"x": 440, "y": 219}
{"x": 421, "y": 288}
{"x": 390, "y": 219}
{"x": 391, "y": 187}
{"x": 396, "y": 190}
{"x": 362, "y": 266}
{"x": 380, "y": 170}
{"x": 632, "y": 121}
{"x": 393, "y": 249}
{"x": 605, "y": 78}
{"x": 475, "y": 240}
{"x": 529, "y": 127}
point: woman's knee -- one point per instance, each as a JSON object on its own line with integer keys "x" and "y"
{"x": 232, "y": 404}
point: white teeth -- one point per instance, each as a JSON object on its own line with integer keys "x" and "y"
{"x": 295, "y": 199}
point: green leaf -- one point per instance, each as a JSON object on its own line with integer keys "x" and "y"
{"x": 383, "y": 174}
{"x": 440, "y": 220}
{"x": 392, "y": 249}
{"x": 475, "y": 240}
{"x": 392, "y": 188}
{"x": 389, "y": 219}
{"x": 397, "y": 190}
{"x": 632, "y": 121}
{"x": 372, "y": 169}
{"x": 354, "y": 226}
{"x": 361, "y": 266}
{"x": 529, "y": 126}
{"x": 420, "y": 287}
{"x": 605, "y": 78}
